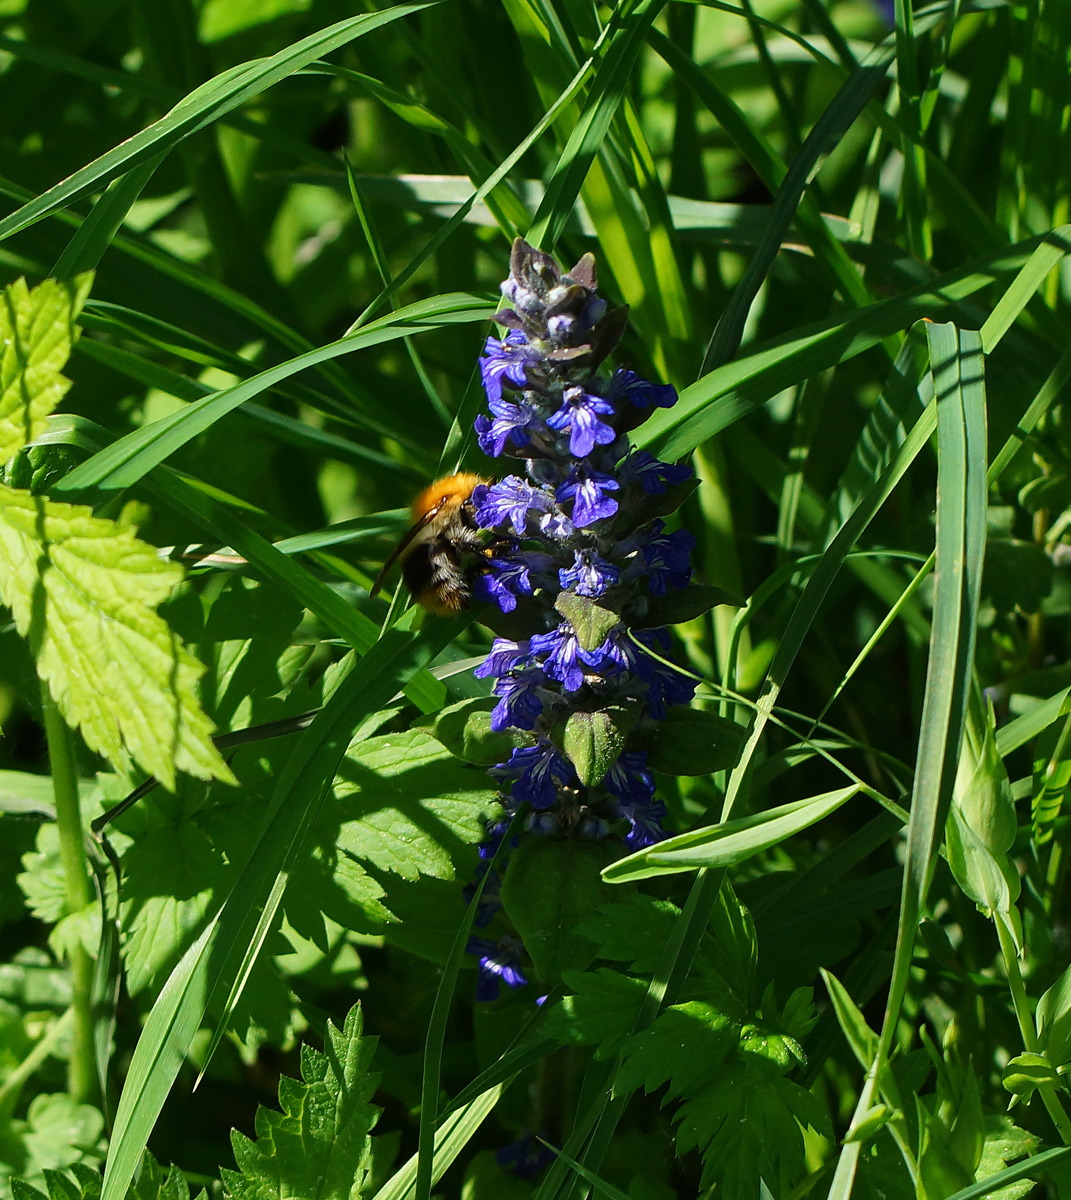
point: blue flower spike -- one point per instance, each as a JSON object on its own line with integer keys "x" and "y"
{"x": 578, "y": 539}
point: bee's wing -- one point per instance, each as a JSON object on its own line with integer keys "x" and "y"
{"x": 403, "y": 545}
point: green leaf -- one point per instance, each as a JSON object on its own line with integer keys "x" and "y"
{"x": 1004, "y": 1142}
{"x": 550, "y": 887}
{"x": 465, "y": 730}
{"x": 591, "y": 622}
{"x": 633, "y": 931}
{"x": 981, "y": 826}
{"x": 1054, "y": 1021}
{"x": 398, "y": 831}
{"x": 728, "y": 843}
{"x": 593, "y": 741}
{"x": 1027, "y": 1072}
{"x": 680, "y": 1049}
{"x": 320, "y": 1144}
{"x": 83, "y": 591}
{"x": 693, "y": 601}
{"x": 601, "y": 1012}
{"x": 37, "y": 331}
{"x": 858, "y": 1034}
{"x": 692, "y": 741}
{"x": 748, "y": 1125}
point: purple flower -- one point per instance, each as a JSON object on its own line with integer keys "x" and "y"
{"x": 646, "y": 823}
{"x": 564, "y": 655}
{"x": 579, "y": 414}
{"x": 508, "y": 502}
{"x": 499, "y": 963}
{"x": 663, "y": 557}
{"x": 521, "y": 704}
{"x": 536, "y": 772}
{"x": 667, "y": 559}
{"x": 504, "y": 656}
{"x": 628, "y": 385}
{"x": 633, "y": 653}
{"x": 505, "y": 361}
{"x": 587, "y": 489}
{"x": 507, "y": 579}
{"x": 493, "y": 834}
{"x": 629, "y": 780}
{"x": 589, "y": 575}
{"x": 654, "y": 475}
{"x": 512, "y": 424}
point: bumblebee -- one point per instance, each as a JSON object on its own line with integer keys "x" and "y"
{"x": 440, "y": 554}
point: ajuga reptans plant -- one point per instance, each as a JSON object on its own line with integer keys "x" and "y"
{"x": 581, "y": 562}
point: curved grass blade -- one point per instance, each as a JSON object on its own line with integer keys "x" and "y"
{"x": 728, "y": 843}
{"x": 730, "y": 392}
{"x": 210, "y": 964}
{"x": 625, "y": 35}
{"x": 133, "y": 456}
{"x": 957, "y": 365}
{"x": 818, "y": 585}
{"x": 451, "y": 1138}
{"x": 200, "y": 108}
{"x": 95, "y": 234}
{"x": 838, "y": 117}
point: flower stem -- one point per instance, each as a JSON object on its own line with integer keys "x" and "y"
{"x": 1026, "y": 1026}
{"x": 81, "y": 1076}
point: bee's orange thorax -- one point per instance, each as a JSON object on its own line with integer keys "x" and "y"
{"x": 450, "y": 490}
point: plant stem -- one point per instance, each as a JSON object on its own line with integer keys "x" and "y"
{"x": 1026, "y": 1026}
{"x": 81, "y": 1076}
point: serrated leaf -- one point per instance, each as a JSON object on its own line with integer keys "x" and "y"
{"x": 634, "y": 931}
{"x": 1005, "y": 1142}
{"x": 748, "y": 1126}
{"x": 601, "y": 1012}
{"x": 60, "y": 1131}
{"x": 320, "y": 1144}
{"x": 391, "y": 842}
{"x": 682, "y": 1046}
{"x": 83, "y": 590}
{"x": 37, "y": 331}
{"x": 590, "y": 621}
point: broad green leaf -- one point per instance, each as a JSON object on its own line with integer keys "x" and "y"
{"x": 83, "y": 591}
{"x": 590, "y": 621}
{"x": 728, "y": 843}
{"x": 465, "y": 730}
{"x": 223, "y": 957}
{"x": 37, "y": 331}
{"x": 320, "y": 1144}
{"x": 551, "y": 885}
{"x": 692, "y": 741}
